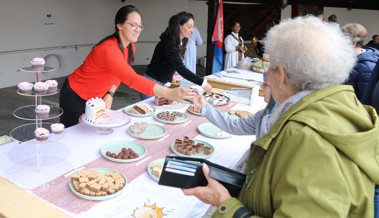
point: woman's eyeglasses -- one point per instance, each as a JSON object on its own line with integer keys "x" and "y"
{"x": 134, "y": 26}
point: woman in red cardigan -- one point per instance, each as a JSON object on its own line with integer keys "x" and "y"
{"x": 106, "y": 66}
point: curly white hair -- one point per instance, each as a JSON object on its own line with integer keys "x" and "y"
{"x": 314, "y": 55}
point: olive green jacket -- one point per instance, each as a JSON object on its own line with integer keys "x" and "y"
{"x": 320, "y": 159}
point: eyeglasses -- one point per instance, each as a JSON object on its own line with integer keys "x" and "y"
{"x": 134, "y": 26}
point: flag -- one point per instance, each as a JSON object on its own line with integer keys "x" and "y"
{"x": 218, "y": 40}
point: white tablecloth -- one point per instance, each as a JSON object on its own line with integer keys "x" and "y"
{"x": 80, "y": 145}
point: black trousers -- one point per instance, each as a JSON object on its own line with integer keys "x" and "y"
{"x": 72, "y": 105}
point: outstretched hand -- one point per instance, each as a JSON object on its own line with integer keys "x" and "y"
{"x": 199, "y": 101}
{"x": 214, "y": 193}
{"x": 180, "y": 94}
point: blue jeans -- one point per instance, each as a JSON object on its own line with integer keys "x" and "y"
{"x": 143, "y": 96}
{"x": 376, "y": 202}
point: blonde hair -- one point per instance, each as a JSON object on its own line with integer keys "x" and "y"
{"x": 314, "y": 55}
{"x": 357, "y": 32}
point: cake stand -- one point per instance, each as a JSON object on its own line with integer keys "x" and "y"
{"x": 35, "y": 162}
{"x": 105, "y": 124}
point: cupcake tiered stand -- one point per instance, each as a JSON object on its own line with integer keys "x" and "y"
{"x": 25, "y": 132}
{"x": 35, "y": 160}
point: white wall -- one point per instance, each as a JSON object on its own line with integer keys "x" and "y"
{"x": 368, "y": 18}
{"x": 80, "y": 24}
{"x": 77, "y": 25}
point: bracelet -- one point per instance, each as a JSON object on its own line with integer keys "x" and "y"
{"x": 110, "y": 93}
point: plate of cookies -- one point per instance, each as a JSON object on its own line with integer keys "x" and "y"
{"x": 123, "y": 151}
{"x": 155, "y": 168}
{"x": 240, "y": 113}
{"x": 216, "y": 99}
{"x": 139, "y": 110}
{"x": 194, "y": 110}
{"x": 171, "y": 117}
{"x": 212, "y": 131}
{"x": 97, "y": 184}
{"x": 187, "y": 147}
{"x": 145, "y": 130}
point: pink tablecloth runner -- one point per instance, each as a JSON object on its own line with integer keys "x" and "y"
{"x": 61, "y": 196}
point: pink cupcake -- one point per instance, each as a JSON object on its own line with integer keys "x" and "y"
{"x": 41, "y": 88}
{"x": 53, "y": 86}
{"x": 57, "y": 128}
{"x": 25, "y": 87}
{"x": 38, "y": 64}
{"x": 41, "y": 134}
{"x": 42, "y": 111}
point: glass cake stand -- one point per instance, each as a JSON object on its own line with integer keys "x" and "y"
{"x": 104, "y": 125}
{"x": 37, "y": 162}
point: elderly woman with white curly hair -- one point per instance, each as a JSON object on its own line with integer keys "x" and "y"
{"x": 320, "y": 157}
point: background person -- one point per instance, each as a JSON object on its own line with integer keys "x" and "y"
{"x": 374, "y": 43}
{"x": 315, "y": 161}
{"x": 191, "y": 54}
{"x": 255, "y": 49}
{"x": 332, "y": 19}
{"x": 367, "y": 58}
{"x": 106, "y": 66}
{"x": 234, "y": 47}
{"x": 169, "y": 52}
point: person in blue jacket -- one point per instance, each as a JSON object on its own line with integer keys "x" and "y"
{"x": 367, "y": 58}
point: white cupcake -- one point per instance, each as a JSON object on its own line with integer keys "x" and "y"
{"x": 42, "y": 111}
{"x": 41, "y": 134}
{"x": 41, "y": 88}
{"x": 53, "y": 86}
{"x": 25, "y": 87}
{"x": 57, "y": 128}
{"x": 38, "y": 64}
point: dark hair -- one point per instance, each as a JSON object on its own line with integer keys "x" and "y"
{"x": 317, "y": 13}
{"x": 120, "y": 18}
{"x": 374, "y": 36}
{"x": 172, "y": 32}
{"x": 332, "y": 18}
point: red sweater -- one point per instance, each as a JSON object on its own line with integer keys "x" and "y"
{"x": 106, "y": 66}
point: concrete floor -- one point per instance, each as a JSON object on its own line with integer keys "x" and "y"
{"x": 10, "y": 101}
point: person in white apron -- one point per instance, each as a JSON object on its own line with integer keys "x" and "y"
{"x": 234, "y": 47}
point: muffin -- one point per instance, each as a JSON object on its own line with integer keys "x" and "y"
{"x": 57, "y": 128}
{"x": 42, "y": 111}
{"x": 38, "y": 64}
{"x": 25, "y": 87}
{"x": 41, "y": 134}
{"x": 53, "y": 86}
{"x": 41, "y": 88}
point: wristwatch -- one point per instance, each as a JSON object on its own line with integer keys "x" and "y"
{"x": 110, "y": 93}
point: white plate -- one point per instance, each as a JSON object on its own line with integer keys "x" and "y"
{"x": 173, "y": 105}
{"x": 150, "y": 168}
{"x": 116, "y": 147}
{"x": 179, "y": 119}
{"x": 201, "y": 155}
{"x": 216, "y": 99}
{"x": 192, "y": 112}
{"x": 153, "y": 131}
{"x": 114, "y": 119}
{"x": 98, "y": 198}
{"x": 127, "y": 111}
{"x": 212, "y": 131}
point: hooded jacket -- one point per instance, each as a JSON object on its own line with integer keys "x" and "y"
{"x": 361, "y": 73}
{"x": 320, "y": 159}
